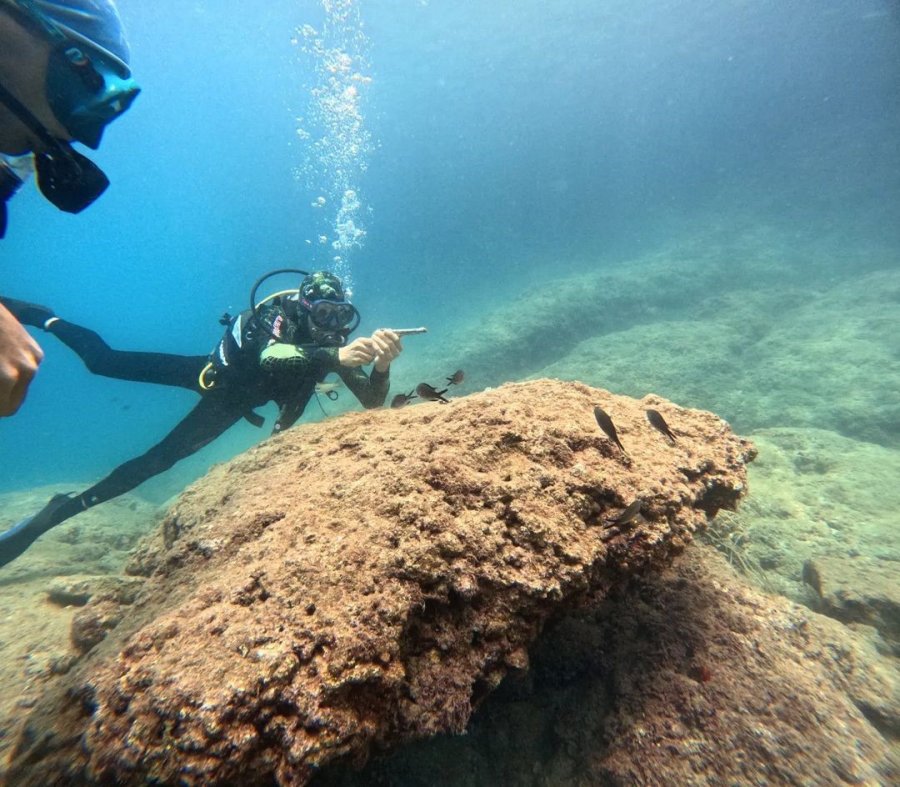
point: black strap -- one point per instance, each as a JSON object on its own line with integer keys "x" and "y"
{"x": 254, "y": 418}
{"x": 31, "y": 16}
{"x": 28, "y": 119}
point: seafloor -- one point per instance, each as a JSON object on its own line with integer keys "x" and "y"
{"x": 794, "y": 344}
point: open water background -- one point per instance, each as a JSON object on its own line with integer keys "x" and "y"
{"x": 504, "y": 144}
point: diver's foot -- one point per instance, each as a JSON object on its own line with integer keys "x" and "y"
{"x": 15, "y": 540}
{"x": 30, "y": 313}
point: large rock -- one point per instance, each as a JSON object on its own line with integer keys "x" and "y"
{"x": 689, "y": 677}
{"x": 371, "y": 579}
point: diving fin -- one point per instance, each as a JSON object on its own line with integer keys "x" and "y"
{"x": 15, "y": 540}
{"x": 6, "y": 535}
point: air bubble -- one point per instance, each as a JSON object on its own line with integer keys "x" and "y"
{"x": 333, "y": 125}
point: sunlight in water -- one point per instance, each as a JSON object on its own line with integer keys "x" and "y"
{"x": 337, "y": 143}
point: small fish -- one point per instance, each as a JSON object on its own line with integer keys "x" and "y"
{"x": 401, "y": 400}
{"x": 631, "y": 512}
{"x": 427, "y": 392}
{"x": 658, "y": 422}
{"x": 606, "y": 424}
{"x": 457, "y": 377}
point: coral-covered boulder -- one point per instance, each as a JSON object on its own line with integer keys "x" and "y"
{"x": 370, "y": 579}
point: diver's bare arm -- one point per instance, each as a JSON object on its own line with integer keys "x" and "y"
{"x": 387, "y": 348}
{"x": 20, "y": 356}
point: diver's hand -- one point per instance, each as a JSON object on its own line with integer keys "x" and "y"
{"x": 359, "y": 352}
{"x": 388, "y": 347}
{"x": 20, "y": 356}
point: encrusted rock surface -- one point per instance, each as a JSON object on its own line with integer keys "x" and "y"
{"x": 77, "y": 590}
{"x": 369, "y": 580}
{"x": 859, "y": 590}
{"x": 688, "y": 677}
{"x": 109, "y": 597}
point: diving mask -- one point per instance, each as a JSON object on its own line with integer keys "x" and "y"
{"x": 86, "y": 87}
{"x": 86, "y": 90}
{"x": 332, "y": 315}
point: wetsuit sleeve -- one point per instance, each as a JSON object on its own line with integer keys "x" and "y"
{"x": 296, "y": 369}
{"x": 292, "y": 362}
{"x": 370, "y": 389}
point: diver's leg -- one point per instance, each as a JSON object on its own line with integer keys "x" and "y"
{"x": 142, "y": 367}
{"x": 28, "y": 313}
{"x": 212, "y": 416}
{"x": 181, "y": 371}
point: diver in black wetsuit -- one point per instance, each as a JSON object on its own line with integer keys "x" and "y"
{"x": 277, "y": 351}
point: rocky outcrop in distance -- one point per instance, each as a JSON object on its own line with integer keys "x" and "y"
{"x": 369, "y": 580}
{"x": 728, "y": 326}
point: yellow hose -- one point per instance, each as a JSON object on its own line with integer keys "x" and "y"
{"x": 203, "y": 384}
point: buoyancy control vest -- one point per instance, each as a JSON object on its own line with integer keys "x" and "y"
{"x": 234, "y": 355}
{"x": 235, "y": 359}
{"x": 237, "y": 352}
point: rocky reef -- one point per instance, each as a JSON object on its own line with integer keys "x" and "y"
{"x": 730, "y": 326}
{"x": 688, "y": 677}
{"x": 367, "y": 581}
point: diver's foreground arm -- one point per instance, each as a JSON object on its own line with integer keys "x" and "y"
{"x": 20, "y": 356}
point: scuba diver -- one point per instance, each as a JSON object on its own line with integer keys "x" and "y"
{"x": 64, "y": 76}
{"x": 278, "y": 350}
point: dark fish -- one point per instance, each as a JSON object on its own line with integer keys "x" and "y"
{"x": 457, "y": 377}
{"x": 658, "y": 422}
{"x": 401, "y": 400}
{"x": 428, "y": 392}
{"x": 629, "y": 514}
{"x": 606, "y": 424}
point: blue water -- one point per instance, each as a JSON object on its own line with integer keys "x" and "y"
{"x": 512, "y": 142}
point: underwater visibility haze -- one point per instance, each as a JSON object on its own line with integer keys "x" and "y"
{"x": 699, "y": 200}
{"x": 491, "y": 146}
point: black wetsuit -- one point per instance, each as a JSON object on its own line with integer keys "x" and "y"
{"x": 249, "y": 381}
